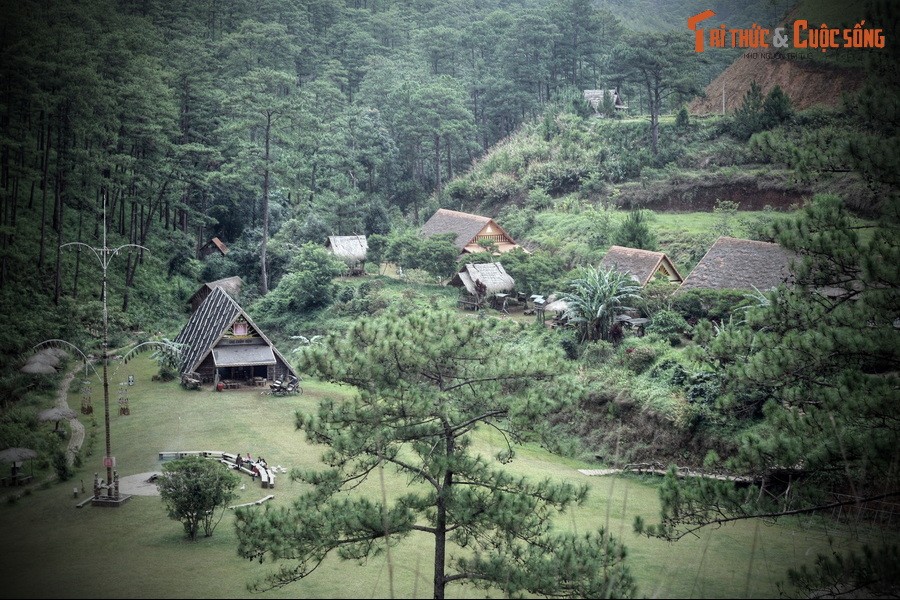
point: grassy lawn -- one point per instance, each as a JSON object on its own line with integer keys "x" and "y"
{"x": 53, "y": 550}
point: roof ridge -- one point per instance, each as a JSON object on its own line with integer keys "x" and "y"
{"x": 464, "y": 215}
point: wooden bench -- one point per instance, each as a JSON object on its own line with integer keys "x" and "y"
{"x": 271, "y": 474}
{"x": 264, "y": 477}
{"x": 168, "y": 455}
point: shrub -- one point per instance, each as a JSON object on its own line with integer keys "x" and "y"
{"x": 346, "y": 294}
{"x": 597, "y": 352}
{"x": 716, "y": 305}
{"x": 308, "y": 286}
{"x": 193, "y": 489}
{"x": 669, "y": 324}
{"x": 639, "y": 358}
{"x": 635, "y": 232}
{"x": 61, "y": 465}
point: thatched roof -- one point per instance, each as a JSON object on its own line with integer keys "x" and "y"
{"x": 466, "y": 226}
{"x": 468, "y": 229}
{"x": 349, "y": 248}
{"x": 494, "y": 277}
{"x": 642, "y": 265}
{"x": 734, "y": 264}
{"x": 231, "y": 285}
{"x": 209, "y": 324}
{"x": 595, "y": 98}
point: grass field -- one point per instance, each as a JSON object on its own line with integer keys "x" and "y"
{"x": 51, "y": 549}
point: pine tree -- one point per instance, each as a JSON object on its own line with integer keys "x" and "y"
{"x": 822, "y": 357}
{"x": 423, "y": 384}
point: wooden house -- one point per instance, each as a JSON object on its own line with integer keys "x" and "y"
{"x": 471, "y": 231}
{"x": 351, "y": 249}
{"x": 595, "y": 99}
{"x": 223, "y": 343}
{"x": 735, "y": 264}
{"x": 211, "y": 247}
{"x": 642, "y": 265}
{"x": 231, "y": 285}
{"x": 479, "y": 281}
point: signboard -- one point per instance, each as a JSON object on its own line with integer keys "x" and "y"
{"x": 109, "y": 461}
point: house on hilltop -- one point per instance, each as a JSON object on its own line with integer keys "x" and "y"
{"x": 222, "y": 342}
{"x": 642, "y": 265}
{"x": 231, "y": 285}
{"x": 351, "y": 249}
{"x": 471, "y": 231}
{"x": 735, "y": 264}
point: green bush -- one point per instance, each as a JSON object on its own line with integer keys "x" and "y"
{"x": 669, "y": 324}
{"x": 639, "y": 358}
{"x": 715, "y": 305}
{"x": 308, "y": 286}
{"x": 597, "y": 352}
{"x": 346, "y": 294}
{"x": 61, "y": 465}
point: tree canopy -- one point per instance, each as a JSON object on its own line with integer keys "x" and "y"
{"x": 195, "y": 491}
{"x": 423, "y": 384}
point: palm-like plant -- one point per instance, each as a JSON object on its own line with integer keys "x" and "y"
{"x": 597, "y": 296}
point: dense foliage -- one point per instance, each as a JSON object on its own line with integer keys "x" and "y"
{"x": 424, "y": 383}
{"x": 196, "y": 491}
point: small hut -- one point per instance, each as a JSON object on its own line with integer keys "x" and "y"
{"x": 211, "y": 247}
{"x": 477, "y": 282}
{"x": 735, "y": 264}
{"x": 351, "y": 249}
{"x": 222, "y": 342}
{"x": 472, "y": 231}
{"x": 642, "y": 265}
{"x": 595, "y": 99}
{"x": 231, "y": 285}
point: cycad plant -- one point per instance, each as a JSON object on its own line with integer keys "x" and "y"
{"x": 596, "y": 297}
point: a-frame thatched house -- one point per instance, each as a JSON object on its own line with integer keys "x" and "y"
{"x": 352, "y": 249}
{"x": 471, "y": 231}
{"x": 735, "y": 264}
{"x": 222, "y": 340}
{"x": 231, "y": 285}
{"x": 642, "y": 265}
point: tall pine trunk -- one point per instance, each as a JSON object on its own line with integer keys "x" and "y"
{"x": 263, "y": 276}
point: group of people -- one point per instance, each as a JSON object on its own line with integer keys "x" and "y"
{"x": 249, "y": 463}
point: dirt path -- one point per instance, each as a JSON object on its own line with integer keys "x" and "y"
{"x": 77, "y": 437}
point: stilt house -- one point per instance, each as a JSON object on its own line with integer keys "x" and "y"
{"x": 352, "y": 249}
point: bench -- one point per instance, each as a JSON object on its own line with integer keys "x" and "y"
{"x": 264, "y": 477}
{"x": 229, "y": 457}
{"x": 168, "y": 455}
{"x": 257, "y": 503}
